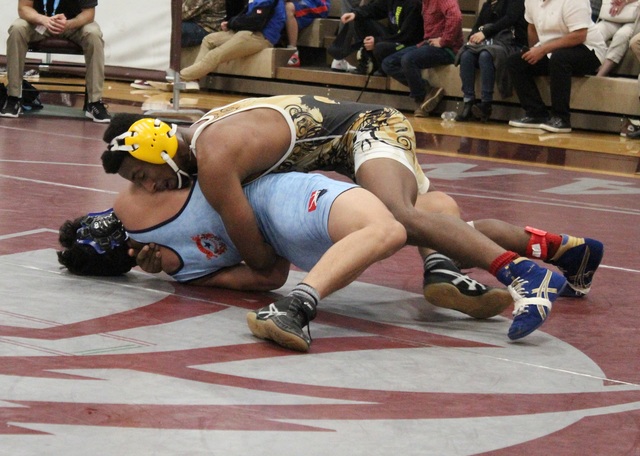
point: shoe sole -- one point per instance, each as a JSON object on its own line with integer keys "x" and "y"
{"x": 284, "y": 338}
{"x": 554, "y": 129}
{"x": 524, "y": 125}
{"x": 429, "y": 105}
{"x": 268, "y": 330}
{"x": 543, "y": 313}
{"x": 492, "y": 303}
{"x": 88, "y": 115}
{"x": 257, "y": 327}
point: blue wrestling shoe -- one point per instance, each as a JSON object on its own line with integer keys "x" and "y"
{"x": 533, "y": 289}
{"x": 283, "y": 321}
{"x": 578, "y": 259}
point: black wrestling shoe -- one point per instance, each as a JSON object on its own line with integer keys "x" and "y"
{"x": 283, "y": 321}
{"x": 446, "y": 286}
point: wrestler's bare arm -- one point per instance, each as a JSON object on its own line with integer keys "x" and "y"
{"x": 242, "y": 277}
{"x": 229, "y": 152}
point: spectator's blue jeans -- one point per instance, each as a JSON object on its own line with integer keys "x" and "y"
{"x": 406, "y": 66}
{"x": 469, "y": 62}
{"x": 192, "y": 34}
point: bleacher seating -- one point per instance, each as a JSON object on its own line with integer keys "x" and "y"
{"x": 597, "y": 103}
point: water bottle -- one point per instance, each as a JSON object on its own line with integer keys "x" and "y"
{"x": 448, "y": 116}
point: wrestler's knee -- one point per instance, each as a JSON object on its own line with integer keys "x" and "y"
{"x": 390, "y": 236}
{"x": 437, "y": 202}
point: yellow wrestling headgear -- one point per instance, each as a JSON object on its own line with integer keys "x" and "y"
{"x": 148, "y": 140}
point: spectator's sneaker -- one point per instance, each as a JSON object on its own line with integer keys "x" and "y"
{"x": 557, "y": 125}
{"x": 283, "y": 321}
{"x": 578, "y": 259}
{"x": 446, "y": 286}
{"x": 629, "y": 127}
{"x": 98, "y": 112}
{"x": 634, "y": 135}
{"x": 34, "y": 105}
{"x": 31, "y": 75}
{"x": 12, "y": 107}
{"x": 432, "y": 99}
{"x": 418, "y": 111}
{"x": 365, "y": 62}
{"x": 191, "y": 86}
{"x": 534, "y": 289}
{"x": 342, "y": 66}
{"x": 141, "y": 84}
{"x": 3, "y": 95}
{"x": 528, "y": 122}
{"x": 294, "y": 60}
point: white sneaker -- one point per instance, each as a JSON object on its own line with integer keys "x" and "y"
{"x": 191, "y": 86}
{"x": 341, "y": 65}
{"x": 141, "y": 84}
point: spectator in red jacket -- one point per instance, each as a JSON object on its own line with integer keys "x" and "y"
{"x": 442, "y": 40}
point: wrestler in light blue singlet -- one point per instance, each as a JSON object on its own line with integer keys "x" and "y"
{"x": 292, "y": 210}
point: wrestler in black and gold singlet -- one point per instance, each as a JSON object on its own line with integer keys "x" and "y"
{"x": 332, "y": 135}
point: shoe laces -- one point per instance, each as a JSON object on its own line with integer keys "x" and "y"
{"x": 272, "y": 311}
{"x": 516, "y": 289}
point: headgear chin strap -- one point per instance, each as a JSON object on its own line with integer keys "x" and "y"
{"x": 174, "y": 167}
{"x": 152, "y": 141}
{"x": 101, "y": 230}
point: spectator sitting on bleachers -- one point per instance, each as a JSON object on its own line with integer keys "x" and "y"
{"x": 73, "y": 20}
{"x": 258, "y": 27}
{"x": 500, "y": 30}
{"x": 345, "y": 7}
{"x": 442, "y": 40}
{"x": 300, "y": 14}
{"x": 199, "y": 18}
{"x": 631, "y": 128}
{"x": 403, "y": 27}
{"x": 617, "y": 34}
{"x": 564, "y": 43}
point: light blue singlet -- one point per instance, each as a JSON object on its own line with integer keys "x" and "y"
{"x": 292, "y": 210}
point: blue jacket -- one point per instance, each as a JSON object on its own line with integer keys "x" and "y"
{"x": 266, "y": 16}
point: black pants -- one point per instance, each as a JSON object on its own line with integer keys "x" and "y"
{"x": 371, "y": 27}
{"x": 563, "y": 64}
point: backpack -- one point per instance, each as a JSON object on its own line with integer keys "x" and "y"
{"x": 30, "y": 97}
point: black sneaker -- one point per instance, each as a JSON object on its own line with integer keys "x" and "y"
{"x": 446, "y": 286}
{"x": 98, "y": 112}
{"x": 557, "y": 125}
{"x": 12, "y": 107}
{"x": 32, "y": 105}
{"x": 629, "y": 127}
{"x": 528, "y": 122}
{"x": 365, "y": 64}
{"x": 283, "y": 321}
